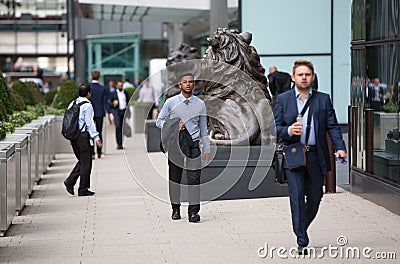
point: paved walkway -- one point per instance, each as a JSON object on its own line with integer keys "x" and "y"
{"x": 123, "y": 223}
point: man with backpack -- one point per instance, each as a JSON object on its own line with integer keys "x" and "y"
{"x": 80, "y": 119}
{"x": 278, "y": 82}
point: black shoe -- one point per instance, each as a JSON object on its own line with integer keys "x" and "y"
{"x": 120, "y": 147}
{"x": 99, "y": 155}
{"x": 194, "y": 218}
{"x": 86, "y": 193}
{"x": 175, "y": 214}
{"x": 302, "y": 250}
{"x": 70, "y": 189}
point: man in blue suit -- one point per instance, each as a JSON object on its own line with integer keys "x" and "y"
{"x": 305, "y": 183}
{"x": 99, "y": 99}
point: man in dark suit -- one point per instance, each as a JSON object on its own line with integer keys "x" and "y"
{"x": 120, "y": 106}
{"x": 307, "y": 181}
{"x": 99, "y": 100}
{"x": 278, "y": 82}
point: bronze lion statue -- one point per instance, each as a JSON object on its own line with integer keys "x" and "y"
{"x": 235, "y": 91}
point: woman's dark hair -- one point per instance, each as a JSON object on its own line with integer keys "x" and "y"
{"x": 84, "y": 89}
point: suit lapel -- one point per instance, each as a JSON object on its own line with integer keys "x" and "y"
{"x": 293, "y": 103}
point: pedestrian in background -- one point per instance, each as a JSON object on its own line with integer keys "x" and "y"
{"x": 120, "y": 107}
{"x": 278, "y": 82}
{"x": 82, "y": 146}
{"x": 127, "y": 84}
{"x": 100, "y": 103}
{"x": 147, "y": 94}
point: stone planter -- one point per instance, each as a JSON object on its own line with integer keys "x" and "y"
{"x": 33, "y": 149}
{"x": 22, "y": 167}
{"x": 7, "y": 186}
{"x": 140, "y": 112}
{"x": 61, "y": 145}
{"x": 383, "y": 123}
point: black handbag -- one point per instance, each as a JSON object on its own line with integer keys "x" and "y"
{"x": 295, "y": 154}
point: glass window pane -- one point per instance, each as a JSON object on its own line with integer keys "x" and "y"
{"x": 383, "y": 63}
{"x": 358, "y": 19}
{"x": 382, "y": 19}
{"x": 358, "y": 95}
{"x": 117, "y": 55}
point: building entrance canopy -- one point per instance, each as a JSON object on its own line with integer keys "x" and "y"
{"x": 178, "y": 11}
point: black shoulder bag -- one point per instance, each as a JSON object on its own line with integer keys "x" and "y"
{"x": 295, "y": 154}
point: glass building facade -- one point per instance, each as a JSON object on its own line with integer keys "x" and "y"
{"x": 374, "y": 112}
{"x": 31, "y": 27}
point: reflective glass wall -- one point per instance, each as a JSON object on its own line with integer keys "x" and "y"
{"x": 33, "y": 15}
{"x": 375, "y": 86}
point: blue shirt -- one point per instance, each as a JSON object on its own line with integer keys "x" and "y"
{"x": 193, "y": 115}
{"x": 86, "y": 115}
{"x": 300, "y": 105}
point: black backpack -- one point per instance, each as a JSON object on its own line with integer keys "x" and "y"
{"x": 70, "y": 126}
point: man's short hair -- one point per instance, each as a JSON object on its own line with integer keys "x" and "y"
{"x": 185, "y": 74}
{"x": 96, "y": 75}
{"x": 301, "y": 62}
{"x": 84, "y": 89}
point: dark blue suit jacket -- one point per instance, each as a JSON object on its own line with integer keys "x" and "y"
{"x": 285, "y": 113}
{"x": 99, "y": 99}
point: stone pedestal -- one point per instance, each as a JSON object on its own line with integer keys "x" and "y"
{"x": 153, "y": 136}
{"x": 239, "y": 173}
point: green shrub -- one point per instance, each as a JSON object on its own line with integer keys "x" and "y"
{"x": 23, "y": 90}
{"x": 53, "y": 111}
{"x": 30, "y": 113}
{"x": 48, "y": 98}
{"x": 2, "y": 130}
{"x": 17, "y": 119}
{"x": 68, "y": 92}
{"x": 131, "y": 91}
{"x": 3, "y": 113}
{"x": 6, "y": 100}
{"x": 38, "y": 109}
{"x": 18, "y": 102}
{"x": 7, "y": 127}
{"x": 35, "y": 91}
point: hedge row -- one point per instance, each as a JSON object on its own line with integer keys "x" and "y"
{"x": 23, "y": 102}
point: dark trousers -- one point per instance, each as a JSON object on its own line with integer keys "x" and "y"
{"x": 99, "y": 127}
{"x": 119, "y": 122}
{"x": 305, "y": 191}
{"x": 150, "y": 113}
{"x": 83, "y": 167}
{"x": 193, "y": 172}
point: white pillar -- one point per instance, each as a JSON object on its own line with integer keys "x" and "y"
{"x": 175, "y": 35}
{"x": 218, "y": 15}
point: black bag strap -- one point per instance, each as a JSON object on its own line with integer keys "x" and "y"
{"x": 309, "y": 117}
{"x": 81, "y": 103}
{"x": 308, "y": 103}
